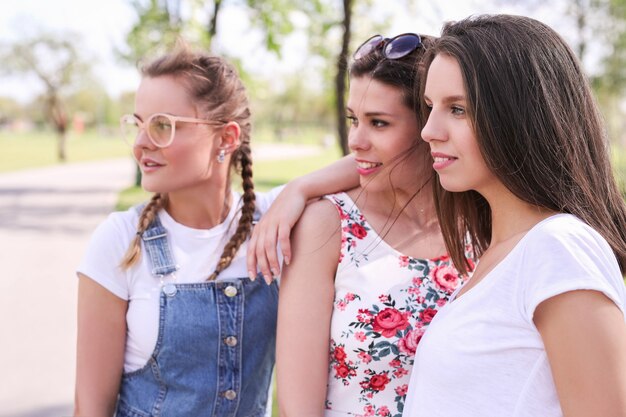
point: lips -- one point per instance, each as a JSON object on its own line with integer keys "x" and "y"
{"x": 441, "y": 160}
{"x": 149, "y": 165}
{"x": 367, "y": 167}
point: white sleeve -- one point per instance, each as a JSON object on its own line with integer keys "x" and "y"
{"x": 567, "y": 256}
{"x": 265, "y": 199}
{"x": 105, "y": 251}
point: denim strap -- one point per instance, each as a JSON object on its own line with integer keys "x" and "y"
{"x": 156, "y": 243}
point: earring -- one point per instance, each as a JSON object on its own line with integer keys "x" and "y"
{"x": 221, "y": 157}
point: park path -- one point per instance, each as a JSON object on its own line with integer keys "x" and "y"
{"x": 46, "y": 218}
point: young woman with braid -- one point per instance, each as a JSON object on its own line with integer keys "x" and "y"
{"x": 169, "y": 322}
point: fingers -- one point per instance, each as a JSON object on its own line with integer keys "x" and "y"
{"x": 264, "y": 247}
{"x": 262, "y": 253}
{"x": 284, "y": 232}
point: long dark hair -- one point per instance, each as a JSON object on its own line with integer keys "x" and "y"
{"x": 538, "y": 128}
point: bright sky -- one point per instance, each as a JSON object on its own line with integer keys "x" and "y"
{"x": 100, "y": 26}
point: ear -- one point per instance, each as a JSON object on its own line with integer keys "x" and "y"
{"x": 230, "y": 141}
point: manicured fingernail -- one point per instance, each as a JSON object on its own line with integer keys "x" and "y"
{"x": 286, "y": 260}
{"x": 252, "y": 275}
{"x": 267, "y": 279}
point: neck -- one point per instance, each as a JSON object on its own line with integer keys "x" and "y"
{"x": 414, "y": 205}
{"x": 511, "y": 216}
{"x": 199, "y": 210}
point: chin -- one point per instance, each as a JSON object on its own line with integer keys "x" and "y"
{"x": 453, "y": 187}
{"x": 151, "y": 187}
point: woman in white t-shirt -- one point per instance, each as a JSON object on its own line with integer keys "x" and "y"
{"x": 170, "y": 322}
{"x": 519, "y": 147}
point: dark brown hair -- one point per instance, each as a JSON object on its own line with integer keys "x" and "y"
{"x": 216, "y": 89}
{"x": 537, "y": 126}
{"x": 399, "y": 73}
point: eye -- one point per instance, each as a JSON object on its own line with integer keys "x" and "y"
{"x": 379, "y": 123}
{"x": 352, "y": 121}
{"x": 457, "y": 110}
{"x": 160, "y": 124}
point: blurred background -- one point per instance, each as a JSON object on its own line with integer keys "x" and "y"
{"x": 68, "y": 72}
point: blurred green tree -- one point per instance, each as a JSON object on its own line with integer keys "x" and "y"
{"x": 55, "y": 61}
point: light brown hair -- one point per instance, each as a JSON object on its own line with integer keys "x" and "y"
{"x": 217, "y": 90}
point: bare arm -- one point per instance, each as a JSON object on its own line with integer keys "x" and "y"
{"x": 585, "y": 338}
{"x": 276, "y": 224}
{"x": 100, "y": 349}
{"x": 304, "y": 313}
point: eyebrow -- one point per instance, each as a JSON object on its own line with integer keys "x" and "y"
{"x": 371, "y": 114}
{"x": 450, "y": 99}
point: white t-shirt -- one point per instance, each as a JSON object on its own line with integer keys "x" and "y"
{"x": 195, "y": 251}
{"x": 482, "y": 355}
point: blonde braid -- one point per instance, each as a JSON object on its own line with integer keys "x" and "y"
{"x": 149, "y": 212}
{"x": 247, "y": 211}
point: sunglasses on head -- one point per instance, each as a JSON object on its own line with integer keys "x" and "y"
{"x": 392, "y": 48}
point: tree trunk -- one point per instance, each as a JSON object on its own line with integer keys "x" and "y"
{"x": 61, "y": 149}
{"x": 340, "y": 80}
{"x": 212, "y": 30}
{"x": 59, "y": 119}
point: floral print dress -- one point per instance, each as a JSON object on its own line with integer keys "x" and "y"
{"x": 384, "y": 301}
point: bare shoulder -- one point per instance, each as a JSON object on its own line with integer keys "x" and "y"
{"x": 320, "y": 215}
{"x": 319, "y": 228}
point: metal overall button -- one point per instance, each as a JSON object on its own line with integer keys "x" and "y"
{"x": 230, "y": 291}
{"x": 170, "y": 289}
{"x": 230, "y": 394}
{"x": 230, "y": 341}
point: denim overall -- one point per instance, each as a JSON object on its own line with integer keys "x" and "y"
{"x": 208, "y": 359}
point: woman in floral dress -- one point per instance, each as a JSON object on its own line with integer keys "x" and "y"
{"x": 369, "y": 269}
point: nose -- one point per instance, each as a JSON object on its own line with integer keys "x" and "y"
{"x": 357, "y": 139}
{"x": 142, "y": 140}
{"x": 433, "y": 129}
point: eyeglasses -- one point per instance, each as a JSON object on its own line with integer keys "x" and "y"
{"x": 160, "y": 127}
{"x": 392, "y": 48}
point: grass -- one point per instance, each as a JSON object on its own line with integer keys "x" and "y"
{"x": 36, "y": 149}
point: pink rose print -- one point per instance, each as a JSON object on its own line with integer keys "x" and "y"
{"x": 402, "y": 390}
{"x": 339, "y": 354}
{"x": 388, "y": 321}
{"x": 408, "y": 344}
{"x": 342, "y": 370}
{"x": 384, "y": 411}
{"x": 395, "y": 363}
{"x": 364, "y": 316}
{"x": 426, "y": 315}
{"x": 400, "y": 372}
{"x": 365, "y": 357}
{"x": 446, "y": 277}
{"x": 378, "y": 382}
{"x": 404, "y": 261}
{"x": 358, "y": 231}
{"x": 360, "y": 336}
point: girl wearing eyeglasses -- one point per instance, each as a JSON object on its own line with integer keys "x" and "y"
{"x": 369, "y": 269}
{"x": 169, "y": 323}
{"x": 519, "y": 147}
